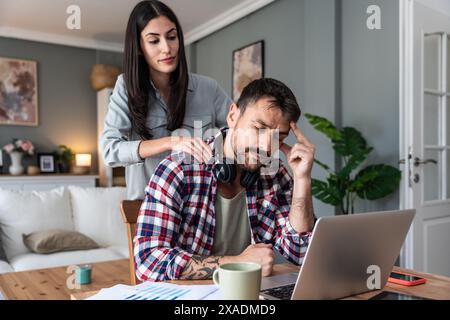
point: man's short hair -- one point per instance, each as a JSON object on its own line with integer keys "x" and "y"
{"x": 283, "y": 98}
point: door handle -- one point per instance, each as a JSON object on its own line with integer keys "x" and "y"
{"x": 403, "y": 161}
{"x": 418, "y": 162}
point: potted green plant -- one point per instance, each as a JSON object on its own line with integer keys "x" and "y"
{"x": 343, "y": 186}
{"x": 64, "y": 158}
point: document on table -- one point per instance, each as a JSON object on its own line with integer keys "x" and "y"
{"x": 157, "y": 291}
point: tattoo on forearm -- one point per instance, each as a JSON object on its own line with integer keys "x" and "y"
{"x": 200, "y": 267}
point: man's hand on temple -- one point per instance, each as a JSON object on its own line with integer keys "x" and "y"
{"x": 300, "y": 157}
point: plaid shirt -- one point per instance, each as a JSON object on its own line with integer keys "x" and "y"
{"x": 177, "y": 217}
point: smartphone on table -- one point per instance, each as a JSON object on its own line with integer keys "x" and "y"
{"x": 405, "y": 279}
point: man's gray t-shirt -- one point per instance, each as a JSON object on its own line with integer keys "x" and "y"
{"x": 232, "y": 234}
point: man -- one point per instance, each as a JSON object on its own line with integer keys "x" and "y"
{"x": 192, "y": 220}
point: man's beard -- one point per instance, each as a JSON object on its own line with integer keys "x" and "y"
{"x": 253, "y": 159}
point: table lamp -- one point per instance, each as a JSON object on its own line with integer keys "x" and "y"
{"x": 82, "y": 163}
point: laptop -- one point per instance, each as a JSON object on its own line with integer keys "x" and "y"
{"x": 342, "y": 255}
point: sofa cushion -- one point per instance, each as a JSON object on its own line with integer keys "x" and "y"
{"x": 29, "y": 211}
{"x": 96, "y": 213}
{"x": 50, "y": 241}
{"x": 31, "y": 261}
{"x": 5, "y": 267}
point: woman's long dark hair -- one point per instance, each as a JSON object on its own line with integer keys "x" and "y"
{"x": 137, "y": 73}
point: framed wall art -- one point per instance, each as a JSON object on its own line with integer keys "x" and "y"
{"x": 18, "y": 92}
{"x": 248, "y": 65}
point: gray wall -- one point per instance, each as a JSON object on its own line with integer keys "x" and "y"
{"x": 320, "y": 94}
{"x": 336, "y": 67}
{"x": 370, "y": 100}
{"x": 67, "y": 103}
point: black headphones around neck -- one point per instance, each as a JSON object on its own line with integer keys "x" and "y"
{"x": 226, "y": 173}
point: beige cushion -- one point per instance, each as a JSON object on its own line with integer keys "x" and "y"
{"x": 57, "y": 240}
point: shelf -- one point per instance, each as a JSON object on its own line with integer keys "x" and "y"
{"x": 49, "y": 176}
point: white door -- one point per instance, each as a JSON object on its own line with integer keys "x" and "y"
{"x": 429, "y": 164}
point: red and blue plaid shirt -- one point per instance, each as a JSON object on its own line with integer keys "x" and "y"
{"x": 177, "y": 217}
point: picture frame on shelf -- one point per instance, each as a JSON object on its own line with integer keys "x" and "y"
{"x": 46, "y": 162}
{"x": 247, "y": 65}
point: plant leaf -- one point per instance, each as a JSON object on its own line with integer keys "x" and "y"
{"x": 373, "y": 182}
{"x": 352, "y": 141}
{"x": 361, "y": 179}
{"x": 325, "y": 192}
{"x": 321, "y": 164}
{"x": 324, "y": 126}
{"x": 355, "y": 160}
{"x": 377, "y": 181}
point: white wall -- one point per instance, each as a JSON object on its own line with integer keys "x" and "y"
{"x": 438, "y": 5}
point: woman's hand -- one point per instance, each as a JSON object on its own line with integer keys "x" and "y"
{"x": 196, "y": 147}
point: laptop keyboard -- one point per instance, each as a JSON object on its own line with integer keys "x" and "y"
{"x": 283, "y": 293}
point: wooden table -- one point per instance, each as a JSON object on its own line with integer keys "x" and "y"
{"x": 436, "y": 287}
{"x": 50, "y": 284}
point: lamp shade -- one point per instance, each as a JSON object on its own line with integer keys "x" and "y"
{"x": 104, "y": 76}
{"x": 83, "y": 160}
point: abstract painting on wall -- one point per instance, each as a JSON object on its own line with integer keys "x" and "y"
{"x": 18, "y": 92}
{"x": 248, "y": 65}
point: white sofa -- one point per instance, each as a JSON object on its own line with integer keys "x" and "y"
{"x": 93, "y": 212}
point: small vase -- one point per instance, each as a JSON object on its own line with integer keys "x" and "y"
{"x": 16, "y": 167}
{"x": 63, "y": 167}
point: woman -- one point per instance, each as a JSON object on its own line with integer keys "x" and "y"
{"x": 155, "y": 96}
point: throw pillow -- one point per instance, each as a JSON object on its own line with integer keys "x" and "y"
{"x": 50, "y": 241}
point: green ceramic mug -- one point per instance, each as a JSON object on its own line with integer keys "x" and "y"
{"x": 238, "y": 281}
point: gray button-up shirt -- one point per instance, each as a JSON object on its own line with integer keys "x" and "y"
{"x": 206, "y": 101}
